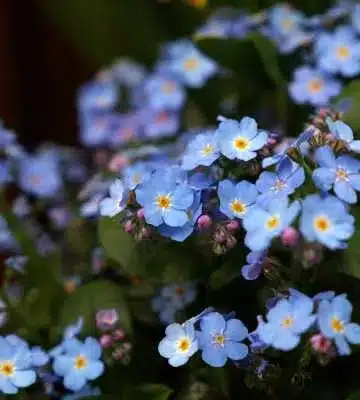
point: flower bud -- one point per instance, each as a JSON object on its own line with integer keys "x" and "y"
{"x": 129, "y": 227}
{"x": 220, "y": 236}
{"x": 118, "y": 335}
{"x": 117, "y": 162}
{"x": 231, "y": 242}
{"x": 106, "y": 319}
{"x": 320, "y": 343}
{"x": 204, "y": 222}
{"x": 290, "y": 237}
{"x": 233, "y": 226}
{"x": 106, "y": 341}
{"x": 140, "y": 214}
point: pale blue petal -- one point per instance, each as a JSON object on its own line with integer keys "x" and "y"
{"x": 354, "y": 180}
{"x": 286, "y": 340}
{"x": 6, "y": 351}
{"x": 324, "y": 178}
{"x": 266, "y": 181}
{"x": 72, "y": 346}
{"x": 174, "y": 331}
{"x": 7, "y": 387}
{"x": 212, "y": 322}
{"x": 235, "y": 350}
{"x": 167, "y": 347}
{"x": 23, "y": 378}
{"x": 267, "y": 332}
{"x": 183, "y": 197}
{"x": 281, "y": 311}
{"x": 258, "y": 141}
{"x": 324, "y": 156}
{"x": 251, "y": 271}
{"x": 255, "y": 219}
{"x": 153, "y": 215}
{"x": 235, "y": 330}
{"x": 257, "y": 241}
{"x": 216, "y": 357}
{"x": 342, "y": 307}
{"x": 92, "y": 349}
{"x": 74, "y": 381}
{"x": 342, "y": 345}
{"x": 302, "y": 324}
{"x": 178, "y": 360}
{"x": 352, "y": 333}
{"x": 175, "y": 218}
{"x": 345, "y": 192}
{"x": 94, "y": 370}
{"x": 62, "y": 365}
{"x": 355, "y": 146}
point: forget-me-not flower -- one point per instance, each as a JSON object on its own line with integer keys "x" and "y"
{"x": 255, "y": 263}
{"x": 113, "y": 205}
{"x": 326, "y": 220}
{"x": 341, "y": 173}
{"x": 343, "y": 132}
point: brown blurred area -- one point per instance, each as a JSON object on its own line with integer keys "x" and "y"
{"x": 37, "y": 62}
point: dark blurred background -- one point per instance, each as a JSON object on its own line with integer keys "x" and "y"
{"x": 50, "y": 47}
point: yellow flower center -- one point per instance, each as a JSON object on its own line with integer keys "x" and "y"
{"x": 219, "y": 339}
{"x": 81, "y": 362}
{"x": 287, "y": 24}
{"x": 279, "y": 184}
{"x": 315, "y": 85}
{"x": 273, "y": 222}
{"x": 238, "y": 207}
{"x": 322, "y": 224}
{"x": 184, "y": 344}
{"x": 241, "y": 143}
{"x": 337, "y": 325}
{"x": 341, "y": 175}
{"x": 287, "y": 322}
{"x": 342, "y": 52}
{"x": 207, "y": 150}
{"x": 163, "y": 201}
{"x": 7, "y": 368}
{"x": 191, "y": 64}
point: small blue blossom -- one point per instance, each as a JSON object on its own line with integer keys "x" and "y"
{"x": 113, "y": 205}
{"x": 5, "y": 175}
{"x": 15, "y": 367}
{"x": 203, "y": 150}
{"x": 161, "y": 124}
{"x": 179, "y": 344}
{"x": 97, "y": 96}
{"x": 95, "y": 130}
{"x": 339, "y": 52}
{"x": 136, "y": 174}
{"x": 343, "y": 132}
{"x": 284, "y": 181}
{"x": 341, "y": 173}
{"x": 79, "y": 363}
{"x": 164, "y": 200}
{"x": 255, "y": 263}
{"x": 313, "y": 86}
{"x": 39, "y": 175}
{"x": 286, "y": 321}
{"x": 268, "y": 220}
{"x": 16, "y": 263}
{"x": 240, "y": 140}
{"x": 284, "y": 20}
{"x": 355, "y": 17}
{"x": 220, "y": 339}
{"x": 334, "y": 323}
{"x": 236, "y": 199}
{"x": 37, "y": 355}
{"x": 326, "y": 220}
{"x": 188, "y": 65}
{"x": 164, "y": 93}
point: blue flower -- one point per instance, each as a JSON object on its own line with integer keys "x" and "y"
{"x": 240, "y": 140}
{"x": 313, "y": 86}
{"x": 113, "y": 205}
{"x": 284, "y": 20}
{"x": 339, "y": 52}
{"x": 5, "y": 175}
{"x": 236, "y": 199}
{"x": 69, "y": 333}
{"x": 85, "y": 393}
{"x": 79, "y": 363}
{"x": 219, "y": 339}
{"x": 164, "y": 93}
{"x": 255, "y": 263}
{"x": 286, "y": 321}
{"x": 326, "y": 220}
{"x": 15, "y": 367}
{"x": 95, "y": 130}
{"x": 164, "y": 200}
{"x": 203, "y": 149}
{"x": 288, "y": 177}
{"x": 136, "y": 174}
{"x": 179, "y": 344}
{"x": 36, "y": 354}
{"x": 16, "y": 263}
{"x": 342, "y": 174}
{"x": 334, "y": 323}
{"x": 268, "y": 220}
{"x": 39, "y": 175}
{"x": 355, "y": 17}
{"x": 189, "y": 65}
{"x": 161, "y": 124}
{"x": 97, "y": 96}
{"x": 343, "y": 132}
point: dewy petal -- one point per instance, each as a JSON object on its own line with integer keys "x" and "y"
{"x": 324, "y": 156}
{"x": 214, "y": 356}
{"x": 235, "y": 330}
{"x": 345, "y": 192}
{"x": 212, "y": 322}
{"x": 235, "y": 350}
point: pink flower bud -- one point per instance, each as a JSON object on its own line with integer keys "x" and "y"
{"x": 290, "y": 237}
{"x": 220, "y": 236}
{"x": 117, "y": 162}
{"x": 320, "y": 343}
{"x": 271, "y": 142}
{"x": 106, "y": 319}
{"x": 106, "y": 341}
{"x": 128, "y": 227}
{"x": 140, "y": 213}
{"x": 204, "y": 222}
{"x": 233, "y": 226}
{"x": 118, "y": 335}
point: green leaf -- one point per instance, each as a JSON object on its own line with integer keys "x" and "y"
{"x": 354, "y": 396}
{"x": 352, "y": 115}
{"x": 149, "y": 392}
{"x": 90, "y": 298}
{"x": 120, "y": 246}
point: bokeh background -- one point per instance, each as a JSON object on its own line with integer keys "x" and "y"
{"x": 48, "y": 48}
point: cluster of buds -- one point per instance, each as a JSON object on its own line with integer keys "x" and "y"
{"x": 112, "y": 336}
{"x": 323, "y": 348}
{"x": 223, "y": 238}
{"x": 137, "y": 227}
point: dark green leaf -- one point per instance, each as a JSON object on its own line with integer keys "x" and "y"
{"x": 351, "y": 264}
{"x": 149, "y": 392}
{"x": 90, "y": 298}
{"x": 352, "y": 115}
{"x": 354, "y": 396}
{"x": 224, "y": 275}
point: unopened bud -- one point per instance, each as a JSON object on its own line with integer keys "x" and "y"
{"x": 106, "y": 341}
{"x": 233, "y": 226}
{"x": 204, "y": 222}
{"x": 106, "y": 319}
{"x": 140, "y": 214}
{"x": 290, "y": 237}
{"x": 118, "y": 335}
{"x": 128, "y": 227}
{"x": 320, "y": 343}
{"x": 231, "y": 242}
{"x": 220, "y": 236}
{"x": 117, "y": 163}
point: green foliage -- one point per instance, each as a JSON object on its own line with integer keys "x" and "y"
{"x": 351, "y": 264}
{"x": 352, "y": 115}
{"x": 91, "y": 297}
{"x": 148, "y": 392}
